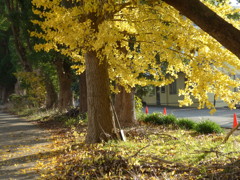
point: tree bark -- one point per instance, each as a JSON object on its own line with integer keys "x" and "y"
{"x": 210, "y": 22}
{"x": 83, "y": 93}
{"x": 21, "y": 50}
{"x": 7, "y": 79}
{"x": 2, "y": 95}
{"x": 51, "y": 96}
{"x": 125, "y": 107}
{"x": 65, "y": 82}
{"x": 100, "y": 116}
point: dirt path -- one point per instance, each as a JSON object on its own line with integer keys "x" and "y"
{"x": 22, "y": 144}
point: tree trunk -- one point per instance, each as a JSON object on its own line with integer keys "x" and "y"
{"x": 83, "y": 93}
{"x": 2, "y": 95}
{"x": 125, "y": 107}
{"x": 65, "y": 82}
{"x": 100, "y": 116}
{"x": 21, "y": 51}
{"x": 51, "y": 96}
{"x": 210, "y": 22}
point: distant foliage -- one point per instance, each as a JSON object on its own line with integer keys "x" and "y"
{"x": 33, "y": 87}
{"x": 186, "y": 124}
{"x": 18, "y": 101}
{"x": 208, "y": 127}
{"x": 138, "y": 104}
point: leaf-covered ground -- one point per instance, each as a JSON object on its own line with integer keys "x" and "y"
{"x": 150, "y": 152}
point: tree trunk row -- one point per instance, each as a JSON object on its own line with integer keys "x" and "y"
{"x": 65, "y": 100}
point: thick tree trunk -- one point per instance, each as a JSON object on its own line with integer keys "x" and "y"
{"x": 125, "y": 107}
{"x": 65, "y": 82}
{"x": 83, "y": 93}
{"x": 51, "y": 96}
{"x": 100, "y": 116}
{"x": 210, "y": 22}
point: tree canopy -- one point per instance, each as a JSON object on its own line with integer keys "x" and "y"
{"x": 152, "y": 28}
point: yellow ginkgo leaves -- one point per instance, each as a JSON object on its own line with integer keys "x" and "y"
{"x": 143, "y": 44}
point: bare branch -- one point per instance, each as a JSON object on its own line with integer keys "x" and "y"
{"x": 230, "y": 133}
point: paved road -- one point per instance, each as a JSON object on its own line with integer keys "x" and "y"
{"x": 21, "y": 144}
{"x": 223, "y": 116}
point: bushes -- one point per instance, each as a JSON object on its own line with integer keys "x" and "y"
{"x": 207, "y": 127}
{"x": 203, "y": 127}
{"x": 33, "y": 90}
{"x": 186, "y": 124}
{"x": 153, "y": 118}
{"x": 169, "y": 119}
{"x": 160, "y": 119}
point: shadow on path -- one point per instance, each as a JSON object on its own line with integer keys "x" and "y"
{"x": 22, "y": 144}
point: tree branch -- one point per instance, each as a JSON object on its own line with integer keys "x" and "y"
{"x": 230, "y": 133}
{"x": 210, "y": 22}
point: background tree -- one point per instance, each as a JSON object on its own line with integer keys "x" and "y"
{"x": 18, "y": 15}
{"x": 82, "y": 93}
{"x": 7, "y": 63}
{"x": 7, "y": 68}
{"x": 63, "y": 67}
{"x": 50, "y": 80}
{"x": 125, "y": 107}
{"x": 16, "y": 11}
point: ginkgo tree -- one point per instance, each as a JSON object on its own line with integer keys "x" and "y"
{"x": 97, "y": 34}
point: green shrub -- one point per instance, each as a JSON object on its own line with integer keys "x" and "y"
{"x": 186, "y": 123}
{"x": 155, "y": 118}
{"x": 141, "y": 116}
{"x": 18, "y": 101}
{"x": 74, "y": 121}
{"x": 169, "y": 119}
{"x": 160, "y": 119}
{"x": 208, "y": 127}
{"x": 71, "y": 122}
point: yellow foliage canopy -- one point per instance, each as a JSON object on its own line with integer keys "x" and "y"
{"x": 143, "y": 44}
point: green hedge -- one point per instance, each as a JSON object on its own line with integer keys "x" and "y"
{"x": 185, "y": 123}
{"x": 208, "y": 127}
{"x": 204, "y": 127}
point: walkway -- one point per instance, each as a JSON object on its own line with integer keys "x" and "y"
{"x": 223, "y": 116}
{"x": 22, "y": 143}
